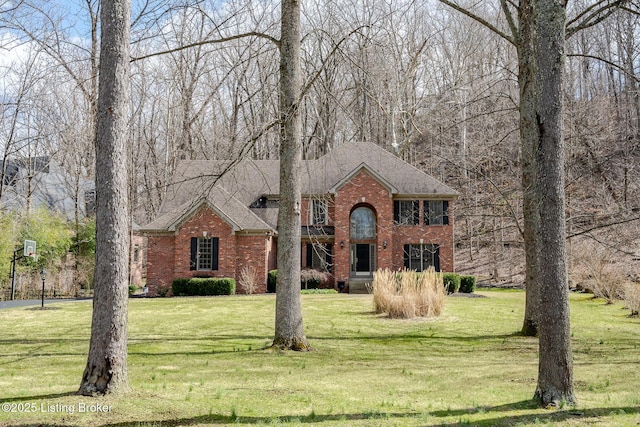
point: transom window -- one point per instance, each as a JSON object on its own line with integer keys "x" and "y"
{"x": 319, "y": 212}
{"x": 363, "y": 224}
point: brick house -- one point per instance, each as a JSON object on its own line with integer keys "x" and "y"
{"x": 362, "y": 209}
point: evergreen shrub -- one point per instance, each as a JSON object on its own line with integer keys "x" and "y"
{"x": 204, "y": 286}
{"x": 467, "y": 284}
{"x": 451, "y": 282}
{"x": 272, "y": 278}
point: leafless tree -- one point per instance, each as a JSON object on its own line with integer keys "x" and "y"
{"x": 555, "y": 371}
{"x": 106, "y": 370}
{"x": 289, "y": 328}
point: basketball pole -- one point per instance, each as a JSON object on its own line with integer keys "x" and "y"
{"x": 13, "y": 274}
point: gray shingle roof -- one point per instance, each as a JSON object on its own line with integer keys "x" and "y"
{"x": 230, "y": 188}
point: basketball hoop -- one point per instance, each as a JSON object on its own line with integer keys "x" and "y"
{"x": 30, "y": 249}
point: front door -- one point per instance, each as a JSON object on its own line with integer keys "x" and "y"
{"x": 363, "y": 259}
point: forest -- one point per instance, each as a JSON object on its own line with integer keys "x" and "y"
{"x": 434, "y": 82}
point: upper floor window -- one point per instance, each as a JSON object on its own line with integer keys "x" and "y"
{"x": 406, "y": 212}
{"x": 363, "y": 224}
{"x": 436, "y": 212}
{"x": 319, "y": 212}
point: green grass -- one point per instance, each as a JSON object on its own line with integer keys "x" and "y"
{"x": 202, "y": 361}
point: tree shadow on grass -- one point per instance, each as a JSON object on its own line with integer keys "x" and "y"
{"x": 537, "y": 415}
{"x": 38, "y": 397}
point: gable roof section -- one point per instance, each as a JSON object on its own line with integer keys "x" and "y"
{"x": 229, "y": 188}
{"x": 374, "y": 174}
{"x": 223, "y": 204}
{"x": 405, "y": 178}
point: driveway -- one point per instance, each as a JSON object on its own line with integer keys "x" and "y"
{"x": 36, "y": 302}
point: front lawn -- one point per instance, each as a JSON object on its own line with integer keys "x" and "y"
{"x": 202, "y": 361}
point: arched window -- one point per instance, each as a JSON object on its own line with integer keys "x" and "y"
{"x": 363, "y": 224}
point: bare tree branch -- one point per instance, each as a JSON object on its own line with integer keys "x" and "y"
{"x": 311, "y": 81}
{"x": 593, "y": 15}
{"x": 613, "y": 64}
{"x": 601, "y": 226}
{"x": 206, "y": 42}
{"x": 480, "y": 20}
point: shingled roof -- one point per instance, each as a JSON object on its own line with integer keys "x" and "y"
{"x": 230, "y": 188}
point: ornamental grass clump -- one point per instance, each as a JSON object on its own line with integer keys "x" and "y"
{"x": 407, "y": 294}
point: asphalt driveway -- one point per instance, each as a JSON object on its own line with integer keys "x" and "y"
{"x": 36, "y": 302}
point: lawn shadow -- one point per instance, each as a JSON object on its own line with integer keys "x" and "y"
{"x": 285, "y": 419}
{"x": 419, "y": 336}
{"x": 516, "y": 406}
{"x": 38, "y": 397}
{"x": 539, "y": 415}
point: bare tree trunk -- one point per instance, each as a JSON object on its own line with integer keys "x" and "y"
{"x": 106, "y": 370}
{"x": 555, "y": 369}
{"x": 529, "y": 142}
{"x": 289, "y": 329}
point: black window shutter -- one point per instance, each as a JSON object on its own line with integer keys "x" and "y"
{"x": 193, "y": 263}
{"x": 406, "y": 256}
{"x": 329, "y": 257}
{"x": 426, "y": 212}
{"x": 396, "y": 211}
{"x": 436, "y": 259}
{"x": 445, "y": 212}
{"x": 215, "y": 246}
{"x": 416, "y": 212}
{"x": 309, "y": 263}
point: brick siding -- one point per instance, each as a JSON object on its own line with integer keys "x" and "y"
{"x": 169, "y": 256}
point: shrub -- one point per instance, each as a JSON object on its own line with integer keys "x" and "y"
{"x": 408, "y": 295}
{"x": 203, "y": 286}
{"x": 318, "y": 291}
{"x": 312, "y": 279}
{"x": 451, "y": 282}
{"x": 467, "y": 284}
{"x": 272, "y": 279}
{"x": 211, "y": 286}
{"x": 309, "y": 279}
{"x": 132, "y": 289}
{"x": 163, "y": 289}
{"x": 595, "y": 269}
{"x": 632, "y": 298}
{"x": 249, "y": 279}
{"x": 178, "y": 287}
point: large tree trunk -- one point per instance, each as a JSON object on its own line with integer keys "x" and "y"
{"x": 555, "y": 369}
{"x": 106, "y": 370}
{"x": 289, "y": 329}
{"x": 529, "y": 142}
